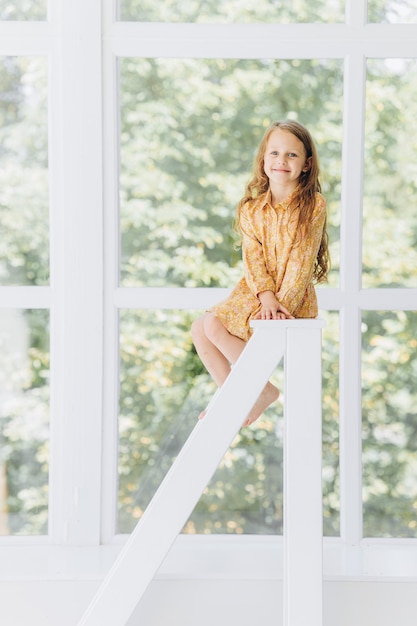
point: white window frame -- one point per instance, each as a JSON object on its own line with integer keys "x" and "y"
{"x": 82, "y": 42}
{"x": 74, "y": 296}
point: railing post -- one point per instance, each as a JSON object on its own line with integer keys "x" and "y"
{"x": 181, "y": 488}
{"x": 184, "y": 483}
{"x": 303, "y": 527}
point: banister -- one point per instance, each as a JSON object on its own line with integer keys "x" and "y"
{"x": 300, "y": 342}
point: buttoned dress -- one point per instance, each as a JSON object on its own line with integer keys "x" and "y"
{"x": 273, "y": 260}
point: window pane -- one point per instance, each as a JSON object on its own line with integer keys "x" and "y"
{"x": 244, "y": 11}
{"x": 189, "y": 132}
{"x": 390, "y": 188}
{"x": 24, "y": 247}
{"x": 389, "y": 423}
{"x": 163, "y": 389}
{"x": 245, "y": 495}
{"x": 23, "y": 9}
{"x": 24, "y": 421}
{"x": 393, "y": 11}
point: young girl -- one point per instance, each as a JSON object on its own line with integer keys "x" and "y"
{"x": 282, "y": 222}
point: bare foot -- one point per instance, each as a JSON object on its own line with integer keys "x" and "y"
{"x": 202, "y": 414}
{"x": 269, "y": 395}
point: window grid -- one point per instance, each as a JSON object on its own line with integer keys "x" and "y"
{"x": 348, "y": 300}
{"x": 83, "y": 412}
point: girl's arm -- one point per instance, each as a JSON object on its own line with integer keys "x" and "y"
{"x": 254, "y": 267}
{"x": 259, "y": 281}
{"x": 300, "y": 266}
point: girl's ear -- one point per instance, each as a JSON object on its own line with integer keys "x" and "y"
{"x": 307, "y": 164}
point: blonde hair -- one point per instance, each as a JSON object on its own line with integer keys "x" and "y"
{"x": 304, "y": 199}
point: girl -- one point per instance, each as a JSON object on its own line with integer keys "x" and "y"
{"x": 282, "y": 222}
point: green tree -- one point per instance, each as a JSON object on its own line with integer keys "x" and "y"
{"x": 244, "y": 11}
{"x": 189, "y": 131}
{"x": 24, "y": 421}
{"x": 393, "y": 11}
{"x": 24, "y": 259}
{"x": 390, "y": 423}
{"x": 23, "y": 10}
{"x": 390, "y": 188}
{"x": 390, "y": 260}
{"x": 24, "y": 246}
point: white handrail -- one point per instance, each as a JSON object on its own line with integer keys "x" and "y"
{"x": 172, "y": 504}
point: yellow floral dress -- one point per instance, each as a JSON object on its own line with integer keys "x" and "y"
{"x": 272, "y": 261}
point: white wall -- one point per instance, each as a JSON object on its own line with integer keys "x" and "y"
{"x": 209, "y": 603}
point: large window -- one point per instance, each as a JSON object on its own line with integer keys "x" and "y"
{"x": 389, "y": 261}
{"x": 245, "y": 495}
{"x": 189, "y": 130}
{"x": 126, "y": 139}
{"x": 50, "y": 287}
{"x": 24, "y": 261}
{"x": 189, "y": 124}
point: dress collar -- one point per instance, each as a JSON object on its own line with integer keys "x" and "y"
{"x": 266, "y": 199}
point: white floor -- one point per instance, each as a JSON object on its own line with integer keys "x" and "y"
{"x": 209, "y": 603}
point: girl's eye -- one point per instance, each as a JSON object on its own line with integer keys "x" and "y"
{"x": 292, "y": 154}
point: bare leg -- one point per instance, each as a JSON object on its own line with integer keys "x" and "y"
{"x": 217, "y": 365}
{"x": 217, "y": 348}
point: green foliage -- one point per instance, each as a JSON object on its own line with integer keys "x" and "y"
{"x": 163, "y": 389}
{"x": 393, "y": 11}
{"x": 243, "y": 11}
{"x": 189, "y": 129}
{"x": 390, "y": 423}
{"x": 24, "y": 249}
{"x": 24, "y": 420}
{"x": 390, "y": 189}
{"x": 162, "y": 385}
{"x": 23, "y": 9}
{"x": 24, "y": 260}
{"x": 189, "y": 132}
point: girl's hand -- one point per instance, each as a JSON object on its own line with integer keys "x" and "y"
{"x": 272, "y": 309}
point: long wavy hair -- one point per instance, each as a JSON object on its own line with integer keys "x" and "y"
{"x": 304, "y": 199}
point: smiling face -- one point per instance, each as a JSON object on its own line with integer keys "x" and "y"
{"x": 284, "y": 161}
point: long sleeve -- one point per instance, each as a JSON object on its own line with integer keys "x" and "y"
{"x": 253, "y": 253}
{"x": 300, "y": 265}
{"x": 272, "y": 262}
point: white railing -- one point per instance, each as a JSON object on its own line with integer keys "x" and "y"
{"x": 299, "y": 341}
